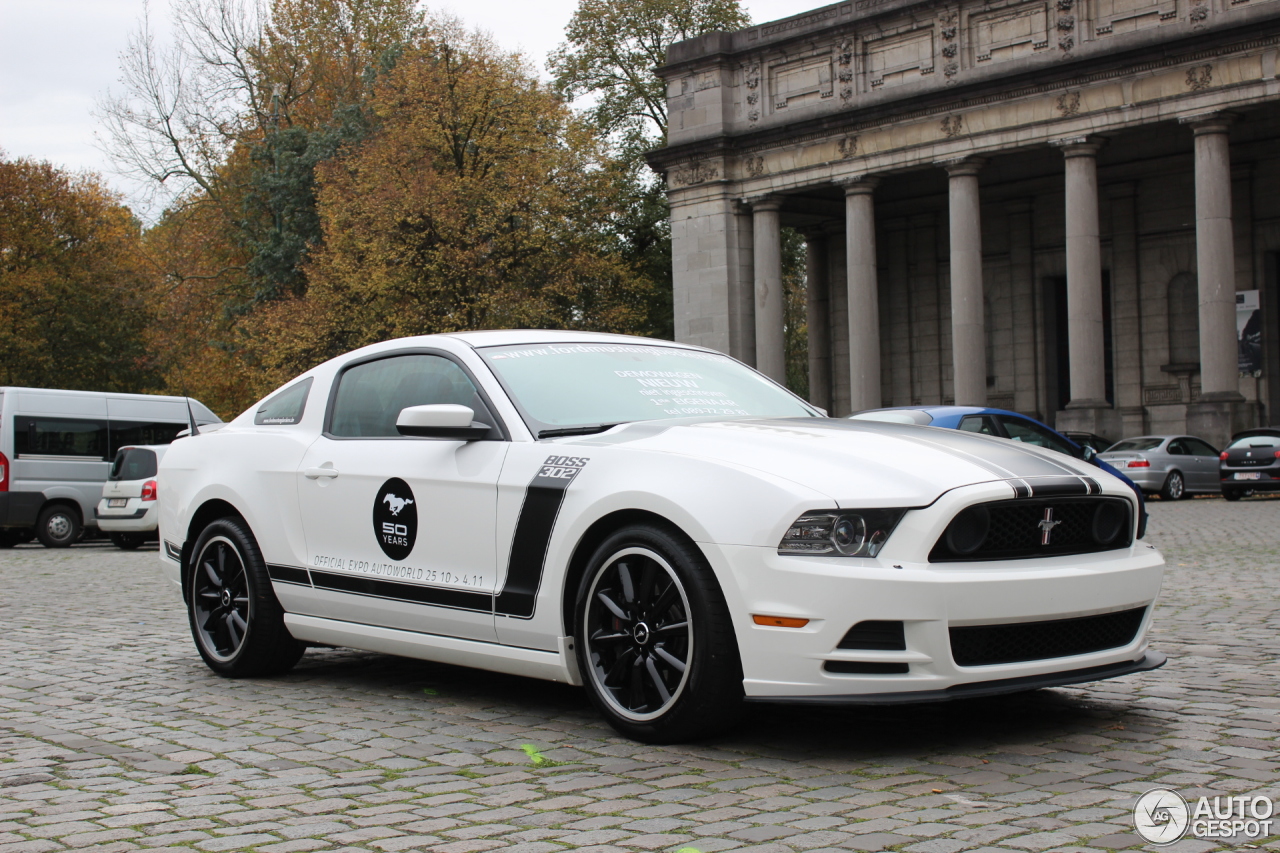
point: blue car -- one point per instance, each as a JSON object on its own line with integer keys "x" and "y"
{"x": 1003, "y": 424}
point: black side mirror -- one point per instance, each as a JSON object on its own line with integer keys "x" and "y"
{"x": 1087, "y": 453}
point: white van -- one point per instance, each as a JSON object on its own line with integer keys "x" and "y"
{"x": 56, "y": 449}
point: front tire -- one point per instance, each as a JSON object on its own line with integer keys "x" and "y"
{"x": 235, "y": 619}
{"x": 1175, "y": 488}
{"x": 654, "y": 639}
{"x": 58, "y": 527}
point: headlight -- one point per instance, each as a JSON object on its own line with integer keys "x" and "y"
{"x": 841, "y": 533}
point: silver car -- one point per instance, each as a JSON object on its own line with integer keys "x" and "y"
{"x": 1171, "y": 465}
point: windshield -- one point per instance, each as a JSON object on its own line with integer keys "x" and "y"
{"x": 133, "y": 463}
{"x": 558, "y": 386}
{"x": 1255, "y": 441}
{"x": 1135, "y": 444}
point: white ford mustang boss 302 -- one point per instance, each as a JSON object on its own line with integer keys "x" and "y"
{"x": 656, "y": 522}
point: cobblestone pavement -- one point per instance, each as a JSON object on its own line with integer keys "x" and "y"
{"x": 114, "y": 736}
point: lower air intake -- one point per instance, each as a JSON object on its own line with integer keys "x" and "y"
{"x": 983, "y": 645}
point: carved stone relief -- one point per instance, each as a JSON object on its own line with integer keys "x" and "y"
{"x": 692, "y": 173}
{"x": 900, "y": 58}
{"x": 807, "y": 79}
{"x": 751, "y": 78}
{"x": 952, "y": 126}
{"x": 1069, "y": 104}
{"x": 755, "y": 166}
{"x": 848, "y": 147}
{"x": 844, "y": 71}
{"x": 1124, "y": 16}
{"x": 1010, "y": 33}
{"x": 1200, "y": 77}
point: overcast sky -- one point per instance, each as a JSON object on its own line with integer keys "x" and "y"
{"x": 58, "y": 57}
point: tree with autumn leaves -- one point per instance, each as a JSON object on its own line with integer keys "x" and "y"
{"x": 337, "y": 172}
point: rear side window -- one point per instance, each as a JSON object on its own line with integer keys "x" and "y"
{"x": 55, "y": 436}
{"x": 979, "y": 423}
{"x": 285, "y": 408}
{"x": 371, "y": 395}
{"x": 1030, "y": 433}
{"x": 125, "y": 433}
{"x": 133, "y": 463}
{"x": 1134, "y": 444}
{"x": 1200, "y": 448}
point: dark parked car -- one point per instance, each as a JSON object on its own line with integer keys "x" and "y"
{"x": 1251, "y": 463}
{"x": 1089, "y": 439}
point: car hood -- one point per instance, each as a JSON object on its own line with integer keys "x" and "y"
{"x": 863, "y": 463}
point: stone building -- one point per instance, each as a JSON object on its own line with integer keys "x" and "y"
{"x": 1051, "y": 206}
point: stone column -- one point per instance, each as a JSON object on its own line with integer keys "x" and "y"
{"x": 1022, "y": 282}
{"x": 864, "y": 294}
{"x": 771, "y": 358}
{"x": 818, "y": 317}
{"x": 968, "y": 327}
{"x": 838, "y": 277}
{"x": 1126, "y": 318}
{"x": 742, "y": 301}
{"x": 1088, "y": 409}
{"x": 1214, "y": 416}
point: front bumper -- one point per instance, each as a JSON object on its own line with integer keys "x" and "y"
{"x": 137, "y": 516}
{"x": 929, "y": 599}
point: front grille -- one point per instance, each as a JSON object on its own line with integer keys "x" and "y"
{"x": 1015, "y": 529}
{"x": 983, "y": 645}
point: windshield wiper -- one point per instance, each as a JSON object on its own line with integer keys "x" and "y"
{"x": 578, "y": 430}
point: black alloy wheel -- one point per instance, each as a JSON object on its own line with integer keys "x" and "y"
{"x": 655, "y": 641}
{"x": 59, "y": 526}
{"x": 237, "y": 623}
{"x": 1174, "y": 487}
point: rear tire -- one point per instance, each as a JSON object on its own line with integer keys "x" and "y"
{"x": 1232, "y": 494}
{"x": 235, "y": 619}
{"x": 655, "y": 641}
{"x": 59, "y": 526}
{"x": 1175, "y": 488}
{"x": 128, "y": 541}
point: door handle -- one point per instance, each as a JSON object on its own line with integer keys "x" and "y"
{"x": 317, "y": 473}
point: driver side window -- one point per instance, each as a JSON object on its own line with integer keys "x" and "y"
{"x": 371, "y": 395}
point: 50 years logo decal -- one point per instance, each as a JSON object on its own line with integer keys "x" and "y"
{"x": 395, "y": 519}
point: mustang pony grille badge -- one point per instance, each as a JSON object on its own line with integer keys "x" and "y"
{"x": 1046, "y": 525}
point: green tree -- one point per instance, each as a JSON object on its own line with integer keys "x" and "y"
{"x": 476, "y": 203}
{"x": 72, "y": 283}
{"x": 608, "y": 58}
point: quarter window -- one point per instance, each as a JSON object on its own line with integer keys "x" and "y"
{"x": 125, "y": 433}
{"x": 285, "y": 408}
{"x": 1200, "y": 448}
{"x": 371, "y": 395}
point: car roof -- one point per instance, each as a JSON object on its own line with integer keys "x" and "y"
{"x": 516, "y": 337}
{"x": 1272, "y": 431}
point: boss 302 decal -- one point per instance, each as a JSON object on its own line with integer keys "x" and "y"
{"x": 395, "y": 524}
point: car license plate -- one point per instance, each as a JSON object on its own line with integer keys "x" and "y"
{"x": 1252, "y": 475}
{"x": 115, "y": 502}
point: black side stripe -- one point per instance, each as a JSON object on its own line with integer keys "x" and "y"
{"x": 289, "y": 574}
{"x": 458, "y": 599}
{"x": 533, "y": 534}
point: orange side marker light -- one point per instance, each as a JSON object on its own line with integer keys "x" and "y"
{"x": 779, "y": 621}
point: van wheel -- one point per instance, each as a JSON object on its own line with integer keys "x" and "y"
{"x": 58, "y": 526}
{"x": 654, "y": 638}
{"x": 127, "y": 541}
{"x": 237, "y": 623}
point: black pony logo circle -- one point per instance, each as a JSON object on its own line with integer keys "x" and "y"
{"x": 395, "y": 519}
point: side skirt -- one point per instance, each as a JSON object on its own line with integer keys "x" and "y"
{"x": 551, "y": 666}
